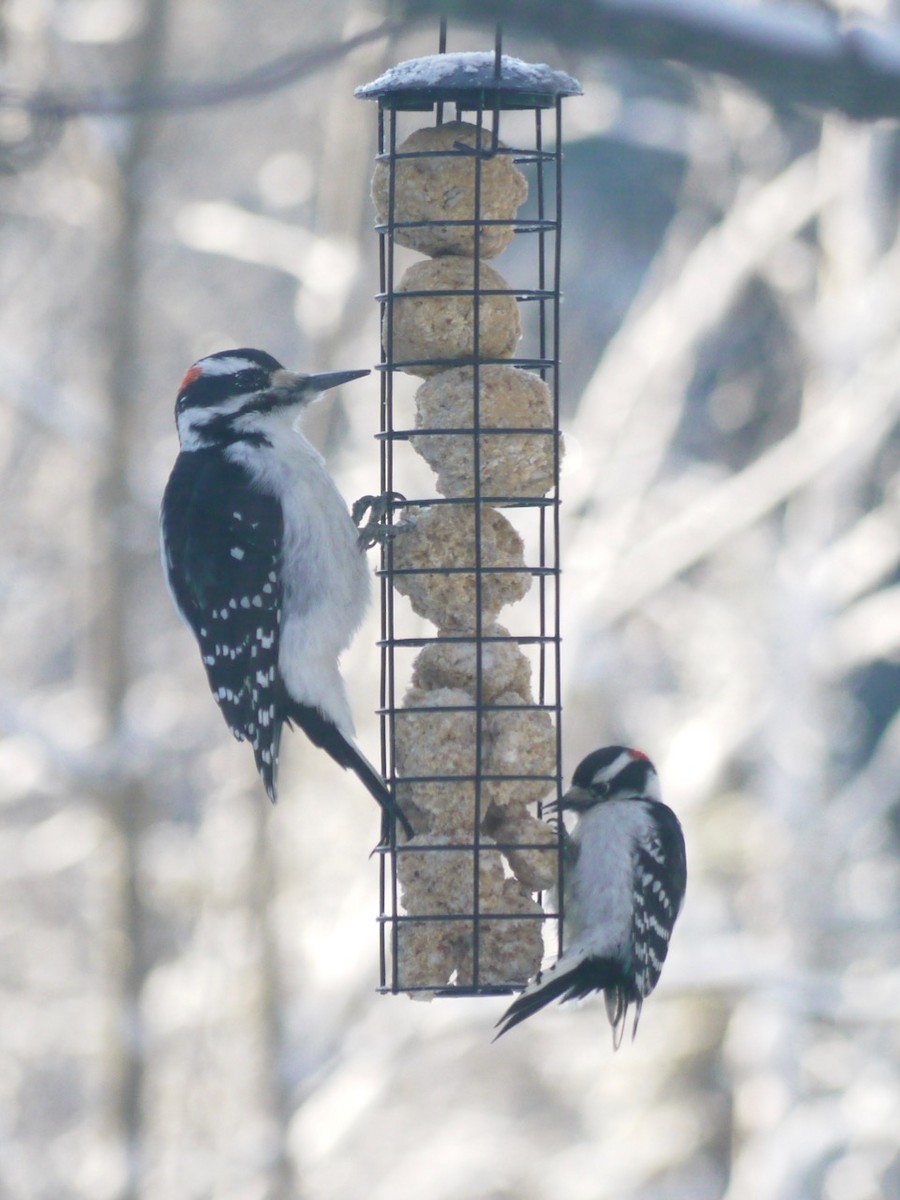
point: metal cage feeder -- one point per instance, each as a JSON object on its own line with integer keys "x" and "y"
{"x": 472, "y": 745}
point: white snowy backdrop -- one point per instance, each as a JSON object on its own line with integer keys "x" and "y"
{"x": 187, "y": 978}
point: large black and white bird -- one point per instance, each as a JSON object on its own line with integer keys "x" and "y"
{"x": 264, "y": 560}
{"x": 625, "y": 873}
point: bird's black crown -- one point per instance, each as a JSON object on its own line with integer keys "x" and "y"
{"x": 204, "y": 386}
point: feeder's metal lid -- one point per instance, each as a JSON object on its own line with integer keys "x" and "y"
{"x": 470, "y": 81}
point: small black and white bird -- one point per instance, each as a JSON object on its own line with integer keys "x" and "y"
{"x": 263, "y": 559}
{"x": 625, "y": 873}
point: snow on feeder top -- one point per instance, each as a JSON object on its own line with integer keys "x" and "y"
{"x": 474, "y": 741}
{"x": 476, "y": 79}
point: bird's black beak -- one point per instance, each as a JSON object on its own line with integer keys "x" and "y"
{"x": 331, "y": 379}
{"x": 577, "y": 799}
{"x": 312, "y": 385}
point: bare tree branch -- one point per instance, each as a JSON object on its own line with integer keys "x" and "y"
{"x": 856, "y": 416}
{"x": 50, "y": 104}
{"x": 639, "y": 384}
{"x": 801, "y": 57}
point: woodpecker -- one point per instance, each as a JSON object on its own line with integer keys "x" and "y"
{"x": 263, "y": 560}
{"x": 624, "y": 873}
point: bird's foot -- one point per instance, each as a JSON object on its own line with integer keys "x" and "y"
{"x": 377, "y": 512}
{"x": 550, "y": 812}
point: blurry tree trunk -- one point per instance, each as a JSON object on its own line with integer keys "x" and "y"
{"x": 125, "y": 796}
{"x": 283, "y": 1179}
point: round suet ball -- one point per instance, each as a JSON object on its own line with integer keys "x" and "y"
{"x": 510, "y": 464}
{"x": 442, "y": 537}
{"x": 440, "y": 186}
{"x": 442, "y": 327}
{"x": 504, "y": 666}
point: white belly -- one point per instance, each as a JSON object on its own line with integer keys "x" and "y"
{"x": 599, "y": 887}
{"x": 324, "y": 573}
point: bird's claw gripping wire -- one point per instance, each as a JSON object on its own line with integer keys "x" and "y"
{"x": 377, "y": 511}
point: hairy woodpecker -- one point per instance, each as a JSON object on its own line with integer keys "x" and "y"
{"x": 263, "y": 560}
{"x": 625, "y": 873}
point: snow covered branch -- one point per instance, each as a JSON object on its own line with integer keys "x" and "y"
{"x": 787, "y": 54}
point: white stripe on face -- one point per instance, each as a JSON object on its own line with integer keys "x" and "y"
{"x": 226, "y": 366}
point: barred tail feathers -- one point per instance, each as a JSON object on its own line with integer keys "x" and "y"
{"x": 572, "y": 978}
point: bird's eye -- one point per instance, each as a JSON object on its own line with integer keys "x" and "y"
{"x": 600, "y": 788}
{"x": 252, "y": 380}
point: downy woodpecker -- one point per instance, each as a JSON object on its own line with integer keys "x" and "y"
{"x": 625, "y": 873}
{"x": 263, "y": 559}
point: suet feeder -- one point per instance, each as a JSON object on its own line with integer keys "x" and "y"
{"x": 468, "y": 170}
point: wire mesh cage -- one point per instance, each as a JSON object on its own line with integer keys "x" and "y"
{"x": 470, "y": 706}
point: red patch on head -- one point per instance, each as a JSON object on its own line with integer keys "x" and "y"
{"x": 191, "y": 374}
{"x": 639, "y": 754}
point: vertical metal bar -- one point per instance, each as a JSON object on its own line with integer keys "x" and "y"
{"x": 557, "y": 281}
{"x": 476, "y": 495}
{"x": 542, "y": 352}
{"x": 498, "y": 74}
{"x": 382, "y": 881}
{"x": 541, "y": 238}
{"x": 387, "y": 554}
{"x": 442, "y": 49}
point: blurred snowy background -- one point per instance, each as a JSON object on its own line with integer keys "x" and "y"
{"x": 187, "y": 977}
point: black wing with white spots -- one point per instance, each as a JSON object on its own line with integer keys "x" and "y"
{"x": 660, "y": 878}
{"x": 222, "y": 548}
